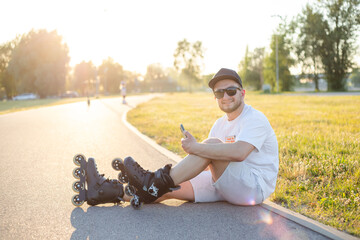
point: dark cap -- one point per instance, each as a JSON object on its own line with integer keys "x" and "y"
{"x": 225, "y": 73}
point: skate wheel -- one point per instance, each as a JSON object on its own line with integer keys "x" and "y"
{"x": 75, "y": 200}
{"x": 77, "y": 172}
{"x": 78, "y": 158}
{"x": 130, "y": 190}
{"x": 135, "y": 202}
{"x": 77, "y": 186}
{"x": 123, "y": 178}
{"x": 116, "y": 163}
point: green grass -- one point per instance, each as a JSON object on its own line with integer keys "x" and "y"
{"x": 14, "y": 106}
{"x": 319, "y": 146}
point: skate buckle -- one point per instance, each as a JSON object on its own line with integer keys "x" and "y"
{"x": 153, "y": 190}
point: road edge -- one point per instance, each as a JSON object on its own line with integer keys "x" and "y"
{"x": 163, "y": 151}
{"x": 316, "y": 226}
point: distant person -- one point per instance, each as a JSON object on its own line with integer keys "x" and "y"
{"x": 238, "y": 163}
{"x": 123, "y": 91}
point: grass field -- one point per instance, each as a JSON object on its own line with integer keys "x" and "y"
{"x": 14, "y": 106}
{"x": 319, "y": 146}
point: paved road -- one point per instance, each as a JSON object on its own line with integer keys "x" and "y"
{"x": 37, "y": 147}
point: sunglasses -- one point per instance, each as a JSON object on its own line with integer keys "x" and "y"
{"x": 230, "y": 91}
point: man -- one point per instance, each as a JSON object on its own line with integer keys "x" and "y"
{"x": 238, "y": 163}
{"x": 123, "y": 91}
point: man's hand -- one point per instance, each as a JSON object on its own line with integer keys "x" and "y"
{"x": 188, "y": 143}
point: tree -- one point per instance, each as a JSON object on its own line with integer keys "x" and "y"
{"x": 110, "y": 74}
{"x": 6, "y": 80}
{"x": 308, "y": 45}
{"x": 258, "y": 67}
{"x": 244, "y": 67}
{"x": 155, "y": 77}
{"x": 285, "y": 61}
{"x": 84, "y": 78}
{"x": 206, "y": 78}
{"x": 158, "y": 79}
{"x": 341, "y": 23}
{"x": 251, "y": 68}
{"x": 39, "y": 63}
{"x": 134, "y": 81}
{"x": 329, "y": 32}
{"x": 188, "y": 57}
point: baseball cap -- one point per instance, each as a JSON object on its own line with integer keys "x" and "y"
{"x": 225, "y": 73}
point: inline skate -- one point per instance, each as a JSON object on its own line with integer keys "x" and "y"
{"x": 144, "y": 186}
{"x": 93, "y": 187}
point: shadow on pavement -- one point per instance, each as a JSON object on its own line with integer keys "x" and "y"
{"x": 184, "y": 221}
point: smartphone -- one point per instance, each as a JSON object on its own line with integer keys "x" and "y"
{"x": 182, "y": 129}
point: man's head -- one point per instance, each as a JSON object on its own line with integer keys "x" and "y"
{"x": 227, "y": 88}
{"x": 225, "y": 73}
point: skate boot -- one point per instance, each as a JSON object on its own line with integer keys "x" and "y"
{"x": 143, "y": 185}
{"x": 93, "y": 187}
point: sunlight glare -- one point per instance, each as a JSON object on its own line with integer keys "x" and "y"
{"x": 139, "y": 33}
{"x": 266, "y": 218}
{"x": 252, "y": 202}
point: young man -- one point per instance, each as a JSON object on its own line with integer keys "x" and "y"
{"x": 238, "y": 163}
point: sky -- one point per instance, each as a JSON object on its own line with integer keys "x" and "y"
{"x": 137, "y": 33}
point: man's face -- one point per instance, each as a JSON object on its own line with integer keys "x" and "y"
{"x": 229, "y": 104}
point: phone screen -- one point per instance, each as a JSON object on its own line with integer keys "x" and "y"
{"x": 182, "y": 130}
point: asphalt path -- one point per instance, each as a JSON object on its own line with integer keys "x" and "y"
{"x": 36, "y": 151}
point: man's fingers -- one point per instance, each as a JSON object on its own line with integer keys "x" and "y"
{"x": 187, "y": 134}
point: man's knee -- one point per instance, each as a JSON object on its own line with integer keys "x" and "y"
{"x": 212, "y": 140}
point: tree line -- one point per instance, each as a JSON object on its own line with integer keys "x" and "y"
{"x": 38, "y": 62}
{"x": 321, "y": 40}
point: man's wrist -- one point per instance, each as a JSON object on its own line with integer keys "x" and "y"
{"x": 196, "y": 150}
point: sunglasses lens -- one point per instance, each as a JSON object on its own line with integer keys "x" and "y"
{"x": 231, "y": 92}
{"x": 219, "y": 94}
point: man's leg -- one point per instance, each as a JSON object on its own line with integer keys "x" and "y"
{"x": 192, "y": 165}
{"x": 186, "y": 192}
{"x": 189, "y": 168}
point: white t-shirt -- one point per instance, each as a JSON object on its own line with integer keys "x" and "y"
{"x": 123, "y": 91}
{"x": 123, "y": 88}
{"x": 253, "y": 127}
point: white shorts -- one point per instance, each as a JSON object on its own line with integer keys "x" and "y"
{"x": 237, "y": 185}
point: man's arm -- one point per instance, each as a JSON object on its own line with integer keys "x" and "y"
{"x": 235, "y": 152}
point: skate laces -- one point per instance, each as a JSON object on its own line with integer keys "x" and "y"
{"x": 140, "y": 170}
{"x": 97, "y": 171}
{"x": 100, "y": 175}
